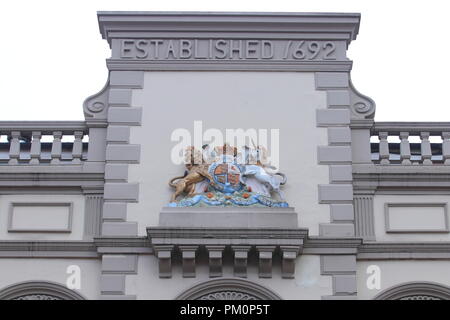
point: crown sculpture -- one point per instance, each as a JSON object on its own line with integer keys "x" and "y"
{"x": 226, "y": 176}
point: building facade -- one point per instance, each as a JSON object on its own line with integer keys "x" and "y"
{"x": 86, "y": 211}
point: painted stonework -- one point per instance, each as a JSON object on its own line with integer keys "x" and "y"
{"x": 346, "y": 208}
{"x": 224, "y": 176}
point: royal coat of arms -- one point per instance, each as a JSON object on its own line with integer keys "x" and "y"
{"x": 225, "y": 176}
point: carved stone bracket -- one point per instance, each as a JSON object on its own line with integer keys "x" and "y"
{"x": 362, "y": 106}
{"x": 240, "y": 260}
{"x": 188, "y": 257}
{"x": 215, "y": 260}
{"x": 95, "y": 107}
{"x": 190, "y": 244}
{"x": 288, "y": 256}
{"x": 228, "y": 235}
{"x": 265, "y": 260}
{"x": 164, "y": 254}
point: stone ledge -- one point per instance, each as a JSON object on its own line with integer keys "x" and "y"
{"x": 400, "y": 169}
{"x": 190, "y": 251}
{"x": 224, "y": 217}
{"x": 231, "y": 233}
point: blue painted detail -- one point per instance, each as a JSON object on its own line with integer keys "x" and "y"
{"x": 222, "y": 200}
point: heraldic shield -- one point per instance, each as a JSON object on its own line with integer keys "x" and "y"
{"x": 227, "y": 175}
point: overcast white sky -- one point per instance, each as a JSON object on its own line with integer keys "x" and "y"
{"x": 52, "y": 55}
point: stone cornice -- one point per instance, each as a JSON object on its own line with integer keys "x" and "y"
{"x": 44, "y": 168}
{"x": 161, "y": 236}
{"x": 122, "y": 242}
{"x": 57, "y": 249}
{"x": 344, "y": 26}
{"x": 288, "y": 66}
{"x": 361, "y": 123}
{"x": 413, "y": 128}
{"x": 399, "y": 169}
{"x": 96, "y": 123}
{"x": 312, "y": 245}
{"x": 73, "y": 249}
{"x": 399, "y": 176}
{"x": 226, "y": 233}
{"x": 46, "y": 127}
{"x": 37, "y": 176}
{"x": 404, "y": 250}
{"x": 229, "y": 41}
{"x": 319, "y": 245}
{"x": 228, "y": 243}
{"x": 46, "y": 245}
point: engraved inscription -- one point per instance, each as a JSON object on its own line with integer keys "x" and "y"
{"x": 229, "y": 49}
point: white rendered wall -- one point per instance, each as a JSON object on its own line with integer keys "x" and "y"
{"x": 422, "y": 216}
{"x": 308, "y": 283}
{"x": 77, "y": 225}
{"x": 396, "y": 272}
{"x": 55, "y": 270}
{"x": 262, "y": 100}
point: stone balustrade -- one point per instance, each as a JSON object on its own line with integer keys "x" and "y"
{"x": 66, "y": 142}
{"x": 411, "y": 143}
{"x": 43, "y": 142}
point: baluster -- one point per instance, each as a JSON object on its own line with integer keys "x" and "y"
{"x": 14, "y": 148}
{"x": 425, "y": 148}
{"x": 77, "y": 147}
{"x": 35, "y": 151}
{"x": 384, "y": 148}
{"x": 56, "y": 147}
{"x": 446, "y": 147}
{"x": 405, "y": 150}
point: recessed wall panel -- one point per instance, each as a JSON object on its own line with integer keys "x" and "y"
{"x": 40, "y": 217}
{"x": 416, "y": 217}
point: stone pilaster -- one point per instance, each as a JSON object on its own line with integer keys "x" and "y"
{"x": 119, "y": 191}
{"x": 337, "y": 155}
